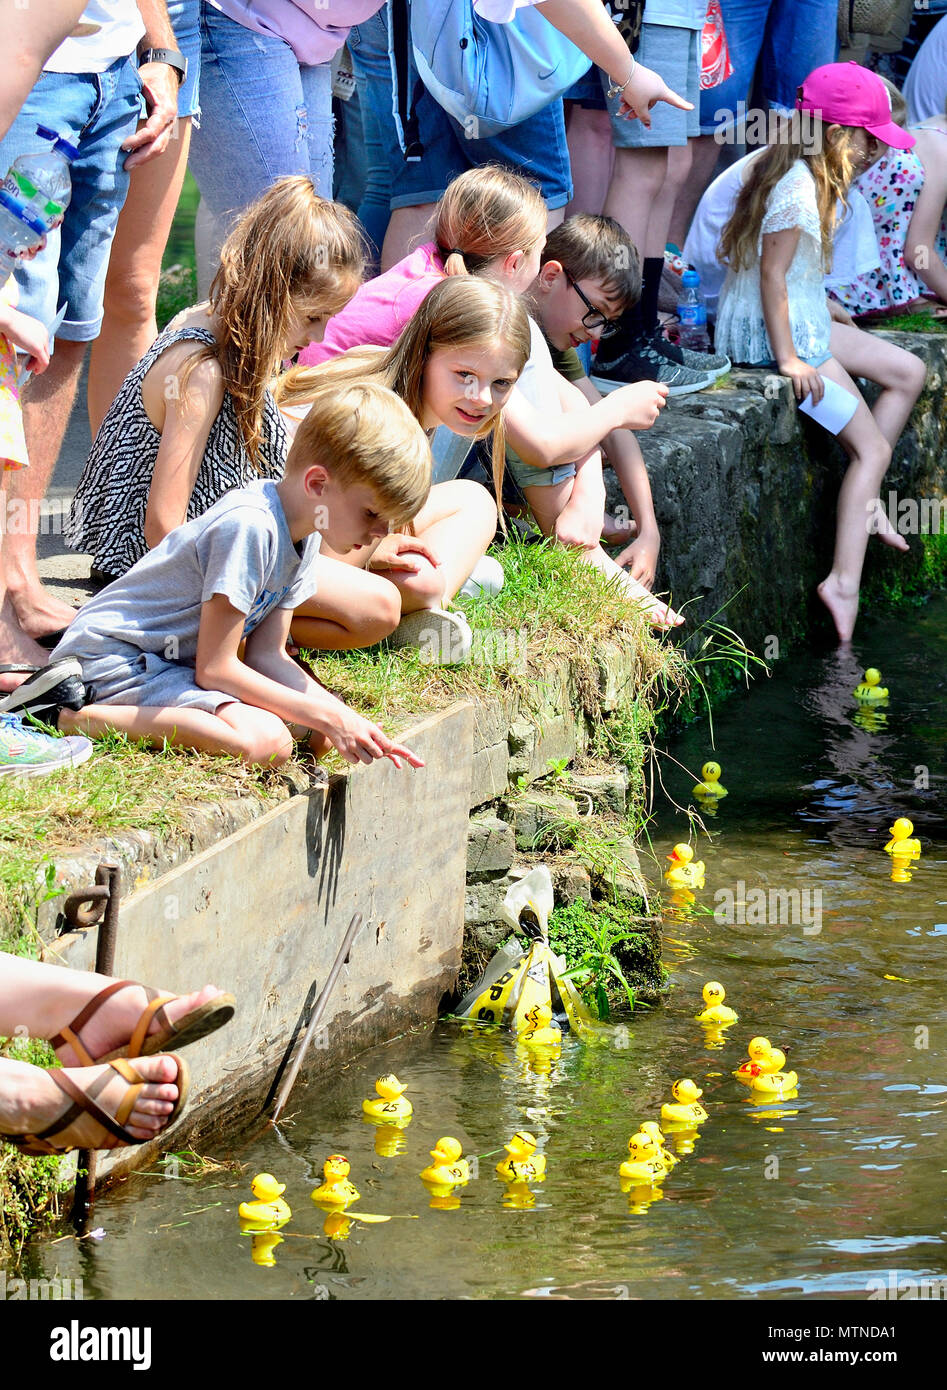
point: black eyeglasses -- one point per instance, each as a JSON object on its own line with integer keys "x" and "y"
{"x": 595, "y": 321}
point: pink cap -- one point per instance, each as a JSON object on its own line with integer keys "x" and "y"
{"x": 848, "y": 94}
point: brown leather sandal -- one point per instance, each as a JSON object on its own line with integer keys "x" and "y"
{"x": 56, "y": 1138}
{"x": 188, "y": 1029}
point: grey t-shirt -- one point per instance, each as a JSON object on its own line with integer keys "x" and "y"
{"x": 241, "y": 548}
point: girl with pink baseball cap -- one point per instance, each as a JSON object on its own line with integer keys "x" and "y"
{"x": 773, "y": 309}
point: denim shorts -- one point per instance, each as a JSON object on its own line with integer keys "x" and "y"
{"x": 263, "y": 115}
{"x": 535, "y": 148}
{"x": 675, "y": 54}
{"x": 524, "y": 475}
{"x": 787, "y": 40}
{"x": 96, "y": 112}
{"x": 184, "y": 16}
{"x": 772, "y": 365}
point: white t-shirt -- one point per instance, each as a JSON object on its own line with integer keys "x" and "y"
{"x": 925, "y": 88}
{"x": 855, "y": 249}
{"x": 118, "y": 35}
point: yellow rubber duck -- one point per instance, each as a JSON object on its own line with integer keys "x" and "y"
{"x": 336, "y": 1191}
{"x": 901, "y": 842}
{"x": 523, "y": 1163}
{"x": 717, "y": 1011}
{"x": 390, "y": 1103}
{"x": 683, "y": 873}
{"x": 710, "y": 787}
{"x": 687, "y": 1110}
{"x": 448, "y": 1168}
{"x": 758, "y": 1053}
{"x": 644, "y": 1164}
{"x": 870, "y": 688}
{"x": 269, "y": 1209}
{"x": 542, "y": 1032}
{"x": 777, "y": 1085}
{"x": 654, "y": 1130}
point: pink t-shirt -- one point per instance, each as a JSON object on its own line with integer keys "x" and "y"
{"x": 382, "y": 306}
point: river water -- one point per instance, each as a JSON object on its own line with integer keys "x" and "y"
{"x": 816, "y": 1197}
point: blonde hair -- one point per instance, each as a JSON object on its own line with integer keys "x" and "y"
{"x": 899, "y": 107}
{"x": 487, "y": 212}
{"x": 364, "y": 434}
{"x": 828, "y": 151}
{"x": 288, "y": 245}
{"x": 456, "y": 313}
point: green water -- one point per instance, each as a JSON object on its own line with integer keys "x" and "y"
{"x": 843, "y": 1186}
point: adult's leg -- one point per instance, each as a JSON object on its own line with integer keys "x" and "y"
{"x": 407, "y": 227}
{"x": 242, "y": 731}
{"x": 38, "y": 1000}
{"x": 591, "y": 155}
{"x": 705, "y": 152}
{"x": 368, "y": 48}
{"x": 31, "y": 1102}
{"x": 131, "y": 290}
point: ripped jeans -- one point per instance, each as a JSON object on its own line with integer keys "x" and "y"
{"x": 263, "y": 115}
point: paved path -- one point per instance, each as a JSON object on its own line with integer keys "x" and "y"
{"x": 67, "y": 573}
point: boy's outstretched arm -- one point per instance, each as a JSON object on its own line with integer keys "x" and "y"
{"x": 623, "y": 452}
{"x": 271, "y": 680}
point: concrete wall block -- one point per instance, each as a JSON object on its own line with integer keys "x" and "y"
{"x": 536, "y": 812}
{"x": 608, "y": 791}
{"x": 557, "y": 738}
{"x": 488, "y": 774}
{"x": 522, "y": 746}
{"x": 490, "y": 848}
{"x": 572, "y": 883}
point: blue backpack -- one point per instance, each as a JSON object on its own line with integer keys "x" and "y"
{"x": 491, "y": 76}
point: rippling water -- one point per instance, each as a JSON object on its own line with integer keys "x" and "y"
{"x": 814, "y": 1197}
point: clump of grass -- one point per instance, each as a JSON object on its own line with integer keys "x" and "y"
{"x": 29, "y": 1187}
{"x": 602, "y": 949}
{"x": 921, "y": 321}
{"x": 125, "y": 785}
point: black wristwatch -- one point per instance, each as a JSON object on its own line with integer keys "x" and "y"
{"x": 171, "y": 56}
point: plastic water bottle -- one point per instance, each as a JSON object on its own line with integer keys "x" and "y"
{"x": 42, "y": 182}
{"x": 692, "y": 314}
{"x": 20, "y": 232}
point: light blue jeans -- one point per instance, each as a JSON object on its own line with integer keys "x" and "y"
{"x": 368, "y": 49}
{"x": 263, "y": 115}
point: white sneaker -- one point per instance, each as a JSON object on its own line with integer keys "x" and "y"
{"x": 444, "y": 638}
{"x": 487, "y": 578}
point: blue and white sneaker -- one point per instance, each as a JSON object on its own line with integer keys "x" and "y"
{"x": 26, "y": 752}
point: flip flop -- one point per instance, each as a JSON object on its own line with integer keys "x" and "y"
{"x": 56, "y": 1138}
{"x": 188, "y": 1029}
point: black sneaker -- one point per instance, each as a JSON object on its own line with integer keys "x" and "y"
{"x": 643, "y": 363}
{"x": 712, "y": 364}
{"x": 49, "y": 690}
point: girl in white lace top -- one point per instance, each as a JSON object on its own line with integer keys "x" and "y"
{"x": 773, "y": 310}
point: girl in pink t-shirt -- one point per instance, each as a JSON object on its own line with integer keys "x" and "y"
{"x": 490, "y": 221}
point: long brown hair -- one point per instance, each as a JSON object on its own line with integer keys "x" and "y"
{"x": 456, "y": 313}
{"x": 288, "y": 245}
{"x": 827, "y": 150}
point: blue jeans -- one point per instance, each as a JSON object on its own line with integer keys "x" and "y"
{"x": 536, "y": 148}
{"x": 184, "y": 16}
{"x": 787, "y": 37}
{"x": 368, "y": 49}
{"x": 263, "y": 115}
{"x": 96, "y": 112}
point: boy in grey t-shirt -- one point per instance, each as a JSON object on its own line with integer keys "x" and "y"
{"x": 160, "y": 647}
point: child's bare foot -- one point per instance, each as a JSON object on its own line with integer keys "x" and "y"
{"x": 618, "y": 530}
{"x": 112, "y": 1024}
{"x": 657, "y": 612}
{"x": 886, "y": 531}
{"x": 842, "y": 603}
{"x": 31, "y": 1101}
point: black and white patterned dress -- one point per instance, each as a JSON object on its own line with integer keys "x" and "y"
{"x": 108, "y": 511}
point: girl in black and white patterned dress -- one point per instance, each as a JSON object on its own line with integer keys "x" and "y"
{"x": 195, "y": 418}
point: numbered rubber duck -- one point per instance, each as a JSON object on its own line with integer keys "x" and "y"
{"x": 710, "y": 788}
{"x": 901, "y": 843}
{"x": 448, "y": 1168}
{"x": 390, "y": 1103}
{"x": 523, "y": 1163}
{"x": 336, "y": 1191}
{"x": 870, "y": 688}
{"x": 758, "y": 1053}
{"x": 655, "y": 1132}
{"x": 644, "y": 1163}
{"x": 687, "y": 1109}
{"x": 684, "y": 873}
{"x": 773, "y": 1080}
{"x": 542, "y": 1032}
{"x": 269, "y": 1209}
{"x": 716, "y": 1012}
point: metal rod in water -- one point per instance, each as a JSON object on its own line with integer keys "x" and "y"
{"x": 317, "y": 1012}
